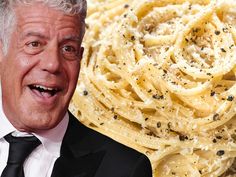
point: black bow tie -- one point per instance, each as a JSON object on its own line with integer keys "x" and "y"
{"x": 19, "y": 150}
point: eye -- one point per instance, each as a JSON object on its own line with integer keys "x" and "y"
{"x": 70, "y": 49}
{"x": 34, "y": 44}
{"x": 33, "y": 47}
{"x": 70, "y": 52}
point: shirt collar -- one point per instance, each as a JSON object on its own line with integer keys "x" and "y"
{"x": 5, "y": 126}
{"x": 50, "y": 139}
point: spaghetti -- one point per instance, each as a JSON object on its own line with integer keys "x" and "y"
{"x": 159, "y": 76}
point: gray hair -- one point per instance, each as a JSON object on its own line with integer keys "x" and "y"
{"x": 7, "y": 15}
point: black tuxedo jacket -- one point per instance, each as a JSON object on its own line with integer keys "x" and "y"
{"x": 87, "y": 153}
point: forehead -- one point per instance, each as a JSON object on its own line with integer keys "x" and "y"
{"x": 45, "y": 19}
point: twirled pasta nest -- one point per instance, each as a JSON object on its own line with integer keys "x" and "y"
{"x": 159, "y": 76}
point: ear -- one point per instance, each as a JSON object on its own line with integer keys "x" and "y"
{"x": 1, "y": 60}
{"x": 1, "y": 51}
{"x": 81, "y": 52}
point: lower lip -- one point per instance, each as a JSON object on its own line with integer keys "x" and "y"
{"x": 45, "y": 100}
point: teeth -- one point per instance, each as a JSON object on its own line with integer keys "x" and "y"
{"x": 45, "y": 88}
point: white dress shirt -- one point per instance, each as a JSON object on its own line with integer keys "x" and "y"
{"x": 41, "y": 161}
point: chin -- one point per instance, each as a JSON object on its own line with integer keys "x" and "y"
{"x": 39, "y": 122}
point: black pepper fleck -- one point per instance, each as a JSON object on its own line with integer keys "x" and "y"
{"x": 225, "y": 30}
{"x": 126, "y": 6}
{"x": 115, "y": 116}
{"x": 132, "y": 38}
{"x": 156, "y": 96}
{"x": 216, "y": 117}
{"x": 85, "y": 92}
{"x": 230, "y": 98}
{"x": 222, "y": 50}
{"x": 217, "y": 32}
{"x": 220, "y": 152}
{"x": 213, "y": 93}
{"x": 149, "y": 91}
{"x": 158, "y": 124}
{"x": 183, "y": 137}
{"x": 230, "y": 47}
{"x": 190, "y": 7}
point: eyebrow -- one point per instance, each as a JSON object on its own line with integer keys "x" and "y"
{"x": 31, "y": 33}
{"x": 72, "y": 38}
{"x": 38, "y": 34}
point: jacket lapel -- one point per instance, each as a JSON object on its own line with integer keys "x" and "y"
{"x": 84, "y": 166}
{"x": 79, "y": 156}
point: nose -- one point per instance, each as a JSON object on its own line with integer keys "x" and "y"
{"x": 50, "y": 60}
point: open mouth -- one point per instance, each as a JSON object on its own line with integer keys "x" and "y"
{"x": 44, "y": 91}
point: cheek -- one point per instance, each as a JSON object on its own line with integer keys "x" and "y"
{"x": 9, "y": 73}
{"x": 19, "y": 64}
{"x": 25, "y": 63}
{"x": 13, "y": 74}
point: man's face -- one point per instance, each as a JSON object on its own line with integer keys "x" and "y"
{"x": 40, "y": 71}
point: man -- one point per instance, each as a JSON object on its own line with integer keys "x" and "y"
{"x": 40, "y": 42}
